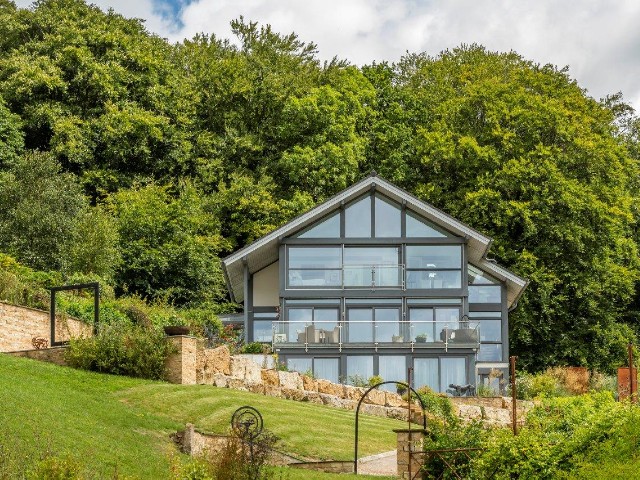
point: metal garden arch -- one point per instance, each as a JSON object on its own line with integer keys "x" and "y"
{"x": 409, "y": 389}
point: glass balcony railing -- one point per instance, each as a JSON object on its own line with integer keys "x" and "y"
{"x": 414, "y": 333}
{"x": 373, "y": 276}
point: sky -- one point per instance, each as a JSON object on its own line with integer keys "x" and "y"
{"x": 599, "y": 40}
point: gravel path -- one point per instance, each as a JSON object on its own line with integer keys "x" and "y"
{"x": 381, "y": 464}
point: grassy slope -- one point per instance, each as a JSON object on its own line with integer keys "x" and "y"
{"x": 116, "y": 422}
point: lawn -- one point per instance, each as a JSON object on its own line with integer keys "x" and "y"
{"x": 121, "y": 424}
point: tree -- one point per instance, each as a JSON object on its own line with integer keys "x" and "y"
{"x": 520, "y": 152}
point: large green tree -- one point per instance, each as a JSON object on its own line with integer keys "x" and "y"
{"x": 520, "y": 152}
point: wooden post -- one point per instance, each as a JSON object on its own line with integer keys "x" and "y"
{"x": 514, "y": 404}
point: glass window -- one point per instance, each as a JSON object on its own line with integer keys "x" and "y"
{"x": 453, "y": 372}
{"x": 301, "y": 365}
{"x": 434, "y": 256}
{"x": 387, "y": 324}
{"x": 421, "y": 325}
{"x": 484, "y": 294}
{"x": 315, "y": 257}
{"x": 478, "y": 277}
{"x": 327, "y": 369}
{"x": 360, "y": 325}
{"x": 327, "y": 228}
{"x": 359, "y": 368}
{"x": 392, "y": 368}
{"x": 425, "y": 373}
{"x": 490, "y": 352}
{"x": 485, "y": 314}
{"x": 490, "y": 330}
{"x": 433, "y": 301}
{"x": 434, "y": 279}
{"x": 388, "y": 218}
{"x": 418, "y": 227}
{"x": 357, "y": 219}
{"x": 262, "y": 331}
{"x": 368, "y": 266}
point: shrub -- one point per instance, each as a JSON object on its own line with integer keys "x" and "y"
{"x": 375, "y": 380}
{"x": 253, "y": 347}
{"x": 121, "y": 350}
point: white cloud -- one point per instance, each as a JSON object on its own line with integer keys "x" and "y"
{"x": 598, "y": 39}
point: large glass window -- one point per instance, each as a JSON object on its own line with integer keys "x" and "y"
{"x": 453, "y": 371}
{"x": 357, "y": 219}
{"x": 379, "y": 324}
{"x": 372, "y": 266}
{"x": 328, "y": 228}
{"x": 426, "y": 374}
{"x": 392, "y": 368}
{"x": 327, "y": 369}
{"x": 418, "y": 227}
{"x": 490, "y": 352}
{"x": 301, "y": 365}
{"x": 388, "y": 218}
{"x": 359, "y": 368}
{"x": 434, "y": 266}
{"x": 262, "y": 331}
{"x": 315, "y": 266}
{"x": 484, "y": 294}
{"x": 432, "y": 324}
{"x": 313, "y": 324}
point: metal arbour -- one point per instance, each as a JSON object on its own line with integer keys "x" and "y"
{"x": 80, "y": 286}
{"x": 409, "y": 391}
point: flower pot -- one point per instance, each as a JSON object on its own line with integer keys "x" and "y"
{"x": 173, "y": 330}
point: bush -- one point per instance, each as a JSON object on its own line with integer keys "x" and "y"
{"x": 121, "y": 350}
{"x": 254, "y": 347}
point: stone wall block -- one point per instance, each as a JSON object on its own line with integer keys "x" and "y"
{"x": 312, "y": 397}
{"x": 253, "y": 373}
{"x": 392, "y": 399}
{"x": 219, "y": 359}
{"x": 310, "y": 384}
{"x": 236, "y": 384}
{"x": 238, "y": 367}
{"x": 376, "y": 410}
{"x": 376, "y": 397}
{"x": 328, "y": 388}
{"x": 290, "y": 380}
{"x": 293, "y": 394}
{"x": 270, "y": 377}
{"x": 220, "y": 380}
{"x": 353, "y": 393}
{"x": 273, "y": 391}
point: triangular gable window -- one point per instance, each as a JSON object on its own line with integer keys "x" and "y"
{"x": 327, "y": 228}
{"x": 357, "y": 219}
{"x": 388, "y": 218}
{"x": 418, "y": 227}
{"x": 478, "y": 277}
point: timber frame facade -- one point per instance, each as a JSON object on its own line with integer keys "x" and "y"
{"x": 374, "y": 281}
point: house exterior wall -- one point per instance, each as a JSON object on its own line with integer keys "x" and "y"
{"x": 266, "y": 285}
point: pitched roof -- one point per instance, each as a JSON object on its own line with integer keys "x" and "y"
{"x": 264, "y": 251}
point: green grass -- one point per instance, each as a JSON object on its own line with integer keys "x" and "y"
{"x": 120, "y": 424}
{"x": 314, "y": 431}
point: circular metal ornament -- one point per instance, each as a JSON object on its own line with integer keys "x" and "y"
{"x": 246, "y": 422}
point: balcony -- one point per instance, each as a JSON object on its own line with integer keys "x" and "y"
{"x": 380, "y": 334}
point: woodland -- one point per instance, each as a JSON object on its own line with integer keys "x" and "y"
{"x": 140, "y": 162}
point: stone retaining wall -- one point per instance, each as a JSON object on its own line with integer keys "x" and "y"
{"x": 194, "y": 364}
{"x": 20, "y": 325}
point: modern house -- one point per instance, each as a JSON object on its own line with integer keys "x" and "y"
{"x": 374, "y": 281}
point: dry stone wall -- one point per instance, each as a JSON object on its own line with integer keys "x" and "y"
{"x": 20, "y": 325}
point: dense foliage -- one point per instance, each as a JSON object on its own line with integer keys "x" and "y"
{"x": 166, "y": 157}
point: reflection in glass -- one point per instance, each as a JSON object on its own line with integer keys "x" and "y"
{"x": 431, "y": 279}
{"x": 329, "y": 228}
{"x": 478, "y": 277}
{"x": 262, "y": 331}
{"x": 301, "y": 365}
{"x": 359, "y": 368}
{"x": 490, "y": 352}
{"x": 434, "y": 256}
{"x": 357, "y": 219}
{"x": 315, "y": 257}
{"x": 453, "y": 372}
{"x": 484, "y": 293}
{"x": 490, "y": 330}
{"x": 327, "y": 369}
{"x": 392, "y": 368}
{"x": 387, "y": 324}
{"x": 388, "y": 218}
{"x": 421, "y": 325}
{"x": 315, "y": 278}
{"x": 417, "y": 227}
{"x": 360, "y": 325}
{"x": 425, "y": 373}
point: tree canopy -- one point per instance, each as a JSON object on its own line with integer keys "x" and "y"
{"x": 168, "y": 156}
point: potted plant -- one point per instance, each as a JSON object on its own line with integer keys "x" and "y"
{"x": 421, "y": 338}
{"x": 397, "y": 338}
